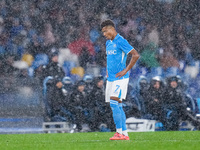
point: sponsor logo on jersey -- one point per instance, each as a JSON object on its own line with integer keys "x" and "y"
{"x": 111, "y": 52}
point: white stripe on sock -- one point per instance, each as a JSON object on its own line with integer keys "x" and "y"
{"x": 125, "y": 132}
{"x": 119, "y": 130}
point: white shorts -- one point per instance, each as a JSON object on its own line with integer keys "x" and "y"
{"x": 116, "y": 88}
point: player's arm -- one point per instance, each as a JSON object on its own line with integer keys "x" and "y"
{"x": 134, "y": 58}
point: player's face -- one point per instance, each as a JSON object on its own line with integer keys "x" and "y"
{"x": 108, "y": 32}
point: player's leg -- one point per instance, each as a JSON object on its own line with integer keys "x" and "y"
{"x": 110, "y": 90}
{"x": 119, "y": 90}
{"x": 124, "y": 129}
{"x": 116, "y": 115}
{"x": 123, "y": 116}
{"x": 114, "y": 103}
{"x": 121, "y": 133}
{"x": 124, "y": 88}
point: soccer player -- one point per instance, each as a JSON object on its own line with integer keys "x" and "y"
{"x": 117, "y": 49}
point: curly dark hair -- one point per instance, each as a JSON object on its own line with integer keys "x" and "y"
{"x": 107, "y": 23}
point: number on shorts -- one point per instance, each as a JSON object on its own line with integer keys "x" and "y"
{"x": 117, "y": 87}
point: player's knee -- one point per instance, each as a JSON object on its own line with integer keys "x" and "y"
{"x": 115, "y": 99}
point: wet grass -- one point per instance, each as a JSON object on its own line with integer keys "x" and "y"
{"x": 186, "y": 140}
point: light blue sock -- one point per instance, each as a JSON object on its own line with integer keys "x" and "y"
{"x": 116, "y": 114}
{"x": 123, "y": 117}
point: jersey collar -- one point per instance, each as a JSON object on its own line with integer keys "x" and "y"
{"x": 116, "y": 37}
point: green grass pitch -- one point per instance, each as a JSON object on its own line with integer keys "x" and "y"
{"x": 178, "y": 140}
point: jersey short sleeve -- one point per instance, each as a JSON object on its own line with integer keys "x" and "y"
{"x": 125, "y": 46}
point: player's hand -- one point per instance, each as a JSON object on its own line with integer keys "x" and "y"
{"x": 121, "y": 74}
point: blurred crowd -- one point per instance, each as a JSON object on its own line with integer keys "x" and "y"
{"x": 80, "y": 103}
{"x": 164, "y": 32}
{"x": 165, "y": 100}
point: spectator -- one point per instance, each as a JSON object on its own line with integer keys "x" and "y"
{"x": 78, "y": 104}
{"x": 2, "y": 28}
{"x": 48, "y": 35}
{"x": 16, "y": 28}
{"x": 142, "y": 88}
{"x": 190, "y": 101}
{"x": 85, "y": 58}
{"x": 98, "y": 106}
{"x": 154, "y": 99}
{"x": 149, "y": 56}
{"x": 54, "y": 93}
{"x": 166, "y": 35}
{"x": 167, "y": 58}
{"x": 154, "y": 36}
{"x": 89, "y": 83}
{"x": 67, "y": 87}
{"x": 35, "y": 46}
{"x": 7, "y": 66}
{"x": 176, "y": 106}
{"x": 61, "y": 30}
{"x": 67, "y": 90}
{"x": 3, "y": 9}
{"x": 3, "y": 42}
{"x": 53, "y": 68}
{"x": 80, "y": 42}
{"x": 100, "y": 57}
{"x": 188, "y": 58}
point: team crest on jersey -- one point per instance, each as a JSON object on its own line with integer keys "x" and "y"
{"x": 114, "y": 45}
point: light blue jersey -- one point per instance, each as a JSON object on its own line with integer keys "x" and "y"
{"x": 117, "y": 51}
